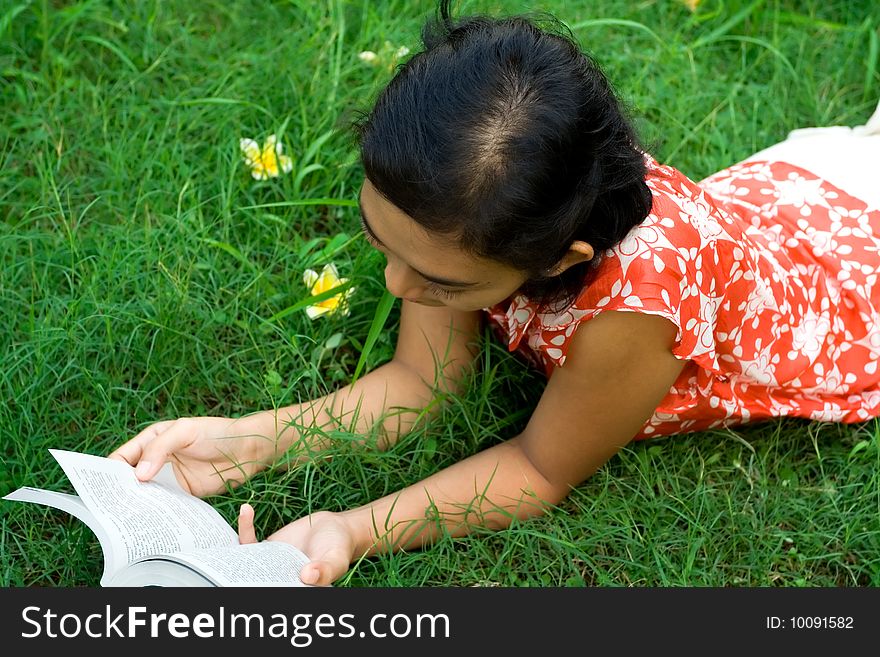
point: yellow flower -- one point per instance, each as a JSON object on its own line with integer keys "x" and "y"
{"x": 267, "y": 162}
{"x": 387, "y": 55}
{"x": 326, "y": 280}
{"x": 691, "y": 4}
{"x": 368, "y": 57}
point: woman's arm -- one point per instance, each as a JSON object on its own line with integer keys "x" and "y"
{"x": 436, "y": 347}
{"x": 618, "y": 369}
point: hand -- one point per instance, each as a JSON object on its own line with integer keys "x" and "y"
{"x": 325, "y": 538}
{"x": 206, "y": 452}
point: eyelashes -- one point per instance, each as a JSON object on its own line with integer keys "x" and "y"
{"x": 435, "y": 289}
{"x": 372, "y": 240}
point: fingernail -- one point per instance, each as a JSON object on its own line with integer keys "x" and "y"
{"x": 142, "y": 469}
{"x": 309, "y": 577}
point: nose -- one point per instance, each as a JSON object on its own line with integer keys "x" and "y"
{"x": 401, "y": 280}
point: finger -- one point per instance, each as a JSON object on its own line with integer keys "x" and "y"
{"x": 332, "y": 565}
{"x": 246, "y": 531}
{"x": 131, "y": 451}
{"x": 156, "y": 452}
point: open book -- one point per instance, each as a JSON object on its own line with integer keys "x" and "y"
{"x": 154, "y": 533}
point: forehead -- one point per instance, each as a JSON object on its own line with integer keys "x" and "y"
{"x": 434, "y": 254}
{"x": 379, "y": 212}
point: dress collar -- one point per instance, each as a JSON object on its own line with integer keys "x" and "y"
{"x": 516, "y": 313}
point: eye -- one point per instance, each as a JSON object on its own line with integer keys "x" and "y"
{"x": 439, "y": 291}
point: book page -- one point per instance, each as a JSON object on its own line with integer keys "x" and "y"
{"x": 269, "y": 563}
{"x": 144, "y": 518}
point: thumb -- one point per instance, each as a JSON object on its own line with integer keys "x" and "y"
{"x": 325, "y": 570}
{"x": 145, "y": 470}
{"x": 246, "y": 531}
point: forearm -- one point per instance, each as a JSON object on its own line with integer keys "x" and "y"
{"x": 392, "y": 393}
{"x": 488, "y": 489}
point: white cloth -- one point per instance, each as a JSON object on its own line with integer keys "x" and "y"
{"x": 848, "y": 158}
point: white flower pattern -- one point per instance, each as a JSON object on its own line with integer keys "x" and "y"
{"x": 770, "y": 275}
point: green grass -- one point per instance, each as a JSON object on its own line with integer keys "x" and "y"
{"x": 144, "y": 275}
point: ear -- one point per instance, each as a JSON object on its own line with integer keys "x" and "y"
{"x": 577, "y": 253}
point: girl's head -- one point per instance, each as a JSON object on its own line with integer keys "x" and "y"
{"x": 499, "y": 157}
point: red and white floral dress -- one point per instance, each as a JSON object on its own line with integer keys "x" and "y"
{"x": 768, "y": 271}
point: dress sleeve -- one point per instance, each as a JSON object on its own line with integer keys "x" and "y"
{"x": 642, "y": 289}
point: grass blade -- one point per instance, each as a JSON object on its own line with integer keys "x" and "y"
{"x": 871, "y": 63}
{"x": 112, "y": 48}
{"x": 620, "y": 22}
{"x": 728, "y": 25}
{"x": 346, "y": 203}
{"x": 9, "y": 16}
{"x": 383, "y": 309}
{"x": 231, "y": 250}
{"x": 308, "y": 301}
{"x": 758, "y": 42}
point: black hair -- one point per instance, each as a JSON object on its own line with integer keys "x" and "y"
{"x": 504, "y": 136}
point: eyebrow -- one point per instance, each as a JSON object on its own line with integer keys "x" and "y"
{"x": 445, "y": 282}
